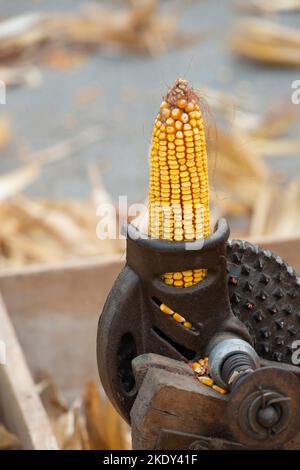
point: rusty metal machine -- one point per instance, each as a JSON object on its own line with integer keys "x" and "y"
{"x": 244, "y": 316}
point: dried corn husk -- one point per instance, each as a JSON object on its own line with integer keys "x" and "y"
{"x": 17, "y": 180}
{"x": 5, "y": 131}
{"x": 29, "y": 76}
{"x": 267, "y": 42}
{"x": 139, "y": 27}
{"x": 8, "y": 440}
{"x": 270, "y": 6}
{"x": 89, "y": 423}
{"x": 39, "y": 231}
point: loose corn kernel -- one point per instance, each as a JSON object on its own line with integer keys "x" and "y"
{"x": 205, "y": 380}
{"x": 220, "y": 390}
{"x": 178, "y": 318}
{"x": 165, "y": 309}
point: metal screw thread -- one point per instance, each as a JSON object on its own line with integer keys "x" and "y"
{"x": 236, "y": 367}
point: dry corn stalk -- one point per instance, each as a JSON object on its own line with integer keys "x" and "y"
{"x": 139, "y": 27}
{"x": 267, "y": 42}
{"x": 39, "y": 231}
{"x": 89, "y": 423}
{"x": 283, "y": 218}
{"x": 234, "y": 109}
{"x": 105, "y": 428}
{"x": 5, "y": 134}
{"x": 28, "y": 75}
{"x": 8, "y": 441}
{"x": 95, "y": 416}
{"x": 36, "y": 231}
{"x": 66, "y": 421}
{"x": 240, "y": 171}
{"x": 16, "y": 180}
{"x": 270, "y": 6}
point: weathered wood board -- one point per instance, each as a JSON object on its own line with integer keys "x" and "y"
{"x": 20, "y": 407}
{"x": 173, "y": 411}
{"x": 55, "y": 312}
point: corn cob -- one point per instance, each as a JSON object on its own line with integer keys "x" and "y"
{"x": 178, "y": 190}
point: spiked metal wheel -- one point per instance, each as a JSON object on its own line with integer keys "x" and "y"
{"x": 265, "y": 295}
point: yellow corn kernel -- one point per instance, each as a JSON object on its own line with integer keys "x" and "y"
{"x": 200, "y": 370}
{"x": 165, "y": 113}
{"x": 184, "y": 118}
{"x": 182, "y": 103}
{"x": 177, "y": 276}
{"x": 205, "y": 380}
{"x": 178, "y": 318}
{"x": 165, "y": 309}
{"x": 164, "y": 104}
{"x": 220, "y": 390}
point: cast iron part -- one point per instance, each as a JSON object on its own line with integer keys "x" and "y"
{"x": 261, "y": 290}
{"x": 132, "y": 323}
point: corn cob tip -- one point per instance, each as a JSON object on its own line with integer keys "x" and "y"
{"x": 181, "y": 92}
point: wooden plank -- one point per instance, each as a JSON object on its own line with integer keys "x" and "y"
{"x": 67, "y": 286}
{"x": 173, "y": 411}
{"x": 21, "y": 408}
{"x": 164, "y": 403}
{"x": 56, "y": 314}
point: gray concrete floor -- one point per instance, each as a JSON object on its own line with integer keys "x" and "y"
{"x": 39, "y": 116}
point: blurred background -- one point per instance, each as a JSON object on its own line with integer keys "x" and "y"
{"x": 81, "y": 84}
